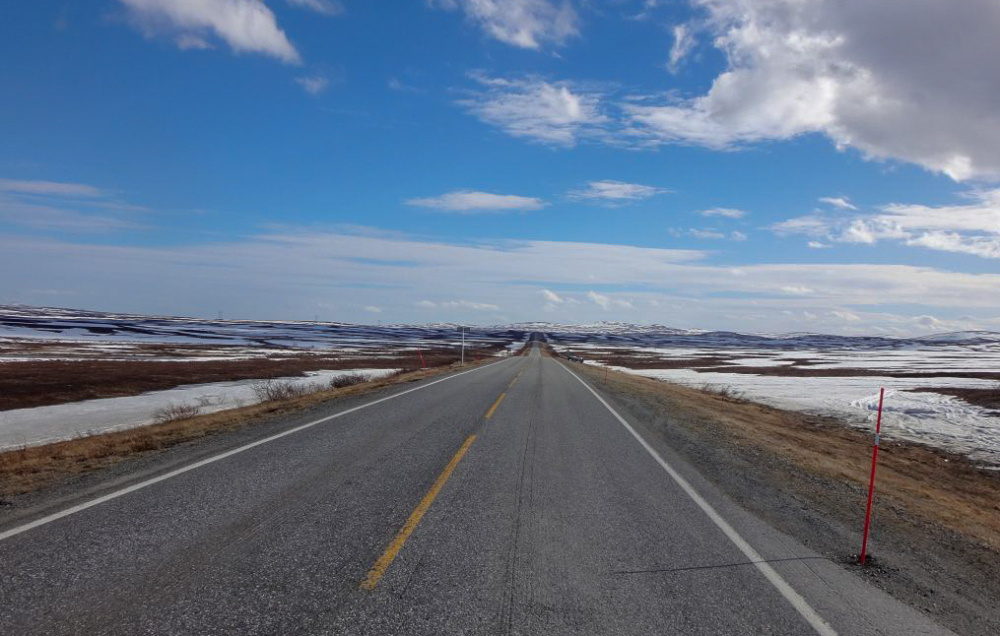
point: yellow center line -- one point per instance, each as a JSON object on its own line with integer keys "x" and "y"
{"x": 489, "y": 413}
{"x": 515, "y": 379}
{"x": 378, "y": 570}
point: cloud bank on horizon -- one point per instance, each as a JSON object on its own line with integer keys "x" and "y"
{"x": 764, "y": 165}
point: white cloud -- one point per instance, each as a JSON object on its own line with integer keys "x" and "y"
{"x": 800, "y": 290}
{"x": 980, "y": 215}
{"x": 928, "y": 322}
{"x": 890, "y": 78}
{"x": 817, "y": 245}
{"x": 61, "y": 218}
{"x": 474, "y": 201}
{"x": 526, "y": 24}
{"x": 864, "y": 231}
{"x": 554, "y": 300}
{"x": 247, "y": 26}
{"x": 848, "y": 316}
{"x": 736, "y": 235}
{"x": 372, "y": 309}
{"x": 842, "y": 203}
{"x": 614, "y": 192}
{"x": 684, "y": 42}
{"x": 291, "y": 269}
{"x": 858, "y": 232}
{"x": 729, "y": 213}
{"x": 706, "y": 234}
{"x": 324, "y": 7}
{"x": 49, "y": 188}
{"x": 313, "y": 84}
{"x": 648, "y": 9}
{"x": 599, "y": 299}
{"x": 552, "y": 113}
{"x": 813, "y": 225}
{"x": 395, "y": 84}
{"x": 953, "y": 242}
{"x": 969, "y": 228}
{"x": 466, "y": 304}
{"x": 191, "y": 42}
{"x": 885, "y": 78}
{"x": 65, "y": 207}
{"x": 551, "y": 296}
{"x": 607, "y": 302}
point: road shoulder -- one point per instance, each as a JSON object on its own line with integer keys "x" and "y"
{"x": 68, "y": 473}
{"x": 804, "y": 477}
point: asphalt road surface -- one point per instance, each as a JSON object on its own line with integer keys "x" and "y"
{"x": 509, "y": 499}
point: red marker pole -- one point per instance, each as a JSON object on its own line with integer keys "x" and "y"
{"x": 871, "y": 483}
{"x": 422, "y": 362}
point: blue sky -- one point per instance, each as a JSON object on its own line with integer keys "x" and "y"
{"x": 756, "y": 165}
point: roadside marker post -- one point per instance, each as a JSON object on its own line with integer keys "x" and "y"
{"x": 871, "y": 482}
{"x": 605, "y": 374}
{"x": 422, "y": 362}
{"x": 463, "y": 345}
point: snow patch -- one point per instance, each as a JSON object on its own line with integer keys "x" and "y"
{"x": 47, "y": 424}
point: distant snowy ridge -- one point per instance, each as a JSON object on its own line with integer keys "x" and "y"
{"x": 605, "y": 327}
{"x": 71, "y": 324}
{"x": 614, "y": 332}
{"x": 626, "y": 335}
{"x": 962, "y": 336}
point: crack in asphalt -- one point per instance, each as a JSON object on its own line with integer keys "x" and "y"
{"x": 718, "y": 566}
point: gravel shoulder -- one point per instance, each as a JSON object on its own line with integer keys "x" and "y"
{"x": 936, "y": 536}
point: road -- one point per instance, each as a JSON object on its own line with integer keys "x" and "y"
{"x": 509, "y": 499}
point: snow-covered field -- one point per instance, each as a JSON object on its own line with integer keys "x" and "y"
{"x": 818, "y": 373}
{"x": 835, "y": 376}
{"x": 40, "y": 334}
{"x": 121, "y": 334}
{"x": 930, "y": 418}
{"x": 47, "y": 424}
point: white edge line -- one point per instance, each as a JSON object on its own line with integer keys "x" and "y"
{"x": 204, "y": 462}
{"x": 786, "y": 590}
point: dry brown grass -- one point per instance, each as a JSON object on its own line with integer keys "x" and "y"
{"x": 933, "y": 484}
{"x": 278, "y": 390}
{"x": 31, "y": 468}
{"x": 986, "y": 398}
{"x": 797, "y": 367}
{"x": 174, "y": 412}
{"x": 343, "y": 381}
{"x": 46, "y": 382}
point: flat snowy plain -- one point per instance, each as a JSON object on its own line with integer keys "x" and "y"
{"x": 47, "y": 424}
{"x": 77, "y": 335}
{"x": 838, "y": 376}
{"x": 943, "y": 421}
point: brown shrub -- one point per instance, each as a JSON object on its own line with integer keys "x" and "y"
{"x": 174, "y": 412}
{"x": 275, "y": 391}
{"x": 350, "y": 379}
